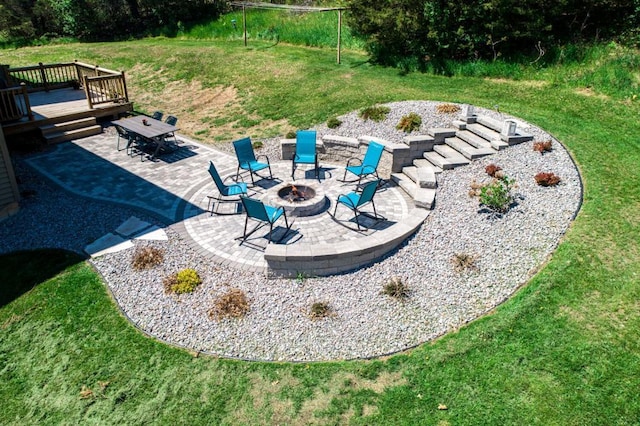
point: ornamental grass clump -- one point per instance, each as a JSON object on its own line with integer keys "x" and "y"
{"x": 375, "y": 113}
{"x": 232, "y": 304}
{"x": 396, "y": 288}
{"x": 409, "y": 123}
{"x": 147, "y": 258}
{"x": 547, "y": 179}
{"x": 447, "y": 108}
{"x": 464, "y": 261}
{"x": 542, "y": 147}
{"x": 184, "y": 281}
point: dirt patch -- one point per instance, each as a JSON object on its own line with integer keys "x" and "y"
{"x": 588, "y": 91}
{"x": 206, "y": 114}
{"x": 269, "y": 404}
{"x": 538, "y": 84}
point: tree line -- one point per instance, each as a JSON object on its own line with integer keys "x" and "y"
{"x": 93, "y": 20}
{"x": 432, "y": 31}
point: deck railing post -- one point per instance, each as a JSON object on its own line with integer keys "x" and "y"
{"x": 78, "y": 73}
{"x": 5, "y": 74}
{"x": 87, "y": 92}
{"x": 124, "y": 86}
{"x": 27, "y": 104}
{"x": 43, "y": 76}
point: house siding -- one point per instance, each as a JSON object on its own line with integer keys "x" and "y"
{"x": 9, "y": 194}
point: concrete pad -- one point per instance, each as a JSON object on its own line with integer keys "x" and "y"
{"x": 132, "y": 226}
{"x": 109, "y": 243}
{"x": 154, "y": 233}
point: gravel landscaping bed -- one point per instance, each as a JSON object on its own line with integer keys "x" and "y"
{"x": 504, "y": 251}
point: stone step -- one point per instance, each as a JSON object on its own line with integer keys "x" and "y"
{"x": 424, "y": 177}
{"x": 68, "y": 135}
{"x": 68, "y": 125}
{"x": 453, "y": 157}
{"x": 483, "y": 132}
{"x": 468, "y": 151}
{"x": 440, "y": 133}
{"x": 473, "y": 139}
{"x": 422, "y": 197}
{"x": 459, "y": 124}
{"x": 490, "y": 129}
{"x": 491, "y": 123}
{"x": 424, "y": 163}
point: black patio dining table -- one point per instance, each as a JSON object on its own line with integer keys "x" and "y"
{"x": 149, "y": 128}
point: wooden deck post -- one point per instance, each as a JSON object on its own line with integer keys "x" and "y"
{"x": 87, "y": 93}
{"x": 5, "y": 74}
{"x": 43, "y": 75}
{"x": 27, "y": 104}
{"x": 124, "y": 85}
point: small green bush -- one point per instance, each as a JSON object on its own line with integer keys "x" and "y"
{"x": 409, "y": 123}
{"x": 497, "y": 195}
{"x": 376, "y": 113}
{"x": 290, "y": 135}
{"x": 184, "y": 281}
{"x": 257, "y": 144}
{"x": 333, "y": 123}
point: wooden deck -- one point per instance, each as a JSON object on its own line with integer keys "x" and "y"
{"x": 60, "y": 105}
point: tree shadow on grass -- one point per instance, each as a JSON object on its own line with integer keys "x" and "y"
{"x": 22, "y": 271}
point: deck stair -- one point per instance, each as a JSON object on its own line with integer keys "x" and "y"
{"x": 70, "y": 130}
{"x": 447, "y": 148}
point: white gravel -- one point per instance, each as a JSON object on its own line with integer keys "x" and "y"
{"x": 509, "y": 248}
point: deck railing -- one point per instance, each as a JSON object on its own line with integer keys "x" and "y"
{"x": 101, "y": 85}
{"x": 14, "y": 104}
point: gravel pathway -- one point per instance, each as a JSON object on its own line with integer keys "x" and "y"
{"x": 363, "y": 323}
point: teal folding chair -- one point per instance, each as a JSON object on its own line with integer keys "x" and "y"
{"x": 263, "y": 214}
{"x": 227, "y": 193}
{"x": 355, "y": 200}
{"x": 369, "y": 165}
{"x": 247, "y": 160}
{"x": 305, "y": 150}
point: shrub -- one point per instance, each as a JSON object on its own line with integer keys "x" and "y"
{"x": 333, "y": 123}
{"x": 547, "y": 179}
{"x": 497, "y": 195}
{"x": 290, "y": 135}
{"x": 447, "y": 108}
{"x": 257, "y": 144}
{"x": 463, "y": 261}
{"x": 147, "y": 257}
{"x": 409, "y": 123}
{"x": 491, "y": 169}
{"x": 376, "y": 113}
{"x": 184, "y": 281}
{"x": 543, "y": 147}
{"x": 232, "y": 304}
{"x": 319, "y": 310}
{"x": 475, "y": 188}
{"x": 396, "y": 288}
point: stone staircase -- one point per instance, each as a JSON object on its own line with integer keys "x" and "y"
{"x": 70, "y": 130}
{"x": 471, "y": 138}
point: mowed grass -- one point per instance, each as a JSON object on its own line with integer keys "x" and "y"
{"x": 563, "y": 350}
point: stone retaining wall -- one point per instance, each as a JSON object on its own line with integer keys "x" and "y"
{"x": 329, "y": 259}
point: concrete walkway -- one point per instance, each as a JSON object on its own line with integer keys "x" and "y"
{"x": 175, "y": 188}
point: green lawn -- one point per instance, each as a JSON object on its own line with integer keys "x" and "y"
{"x": 564, "y": 350}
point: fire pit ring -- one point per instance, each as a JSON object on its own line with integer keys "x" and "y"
{"x": 298, "y": 199}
